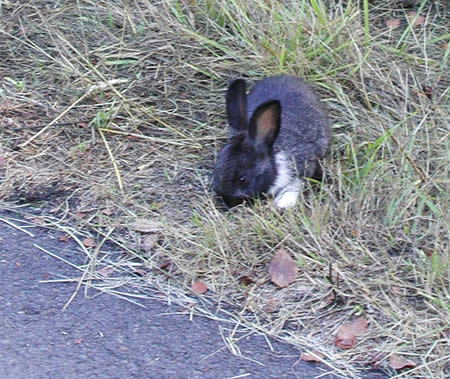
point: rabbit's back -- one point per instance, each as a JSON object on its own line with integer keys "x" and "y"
{"x": 305, "y": 132}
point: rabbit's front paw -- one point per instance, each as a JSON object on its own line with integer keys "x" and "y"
{"x": 286, "y": 199}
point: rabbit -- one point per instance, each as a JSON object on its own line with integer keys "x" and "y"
{"x": 277, "y": 134}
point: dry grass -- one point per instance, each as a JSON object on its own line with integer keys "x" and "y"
{"x": 112, "y": 111}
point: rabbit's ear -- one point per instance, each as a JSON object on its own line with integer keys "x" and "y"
{"x": 265, "y": 125}
{"x": 237, "y": 106}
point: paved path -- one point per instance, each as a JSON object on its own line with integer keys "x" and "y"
{"x": 107, "y": 337}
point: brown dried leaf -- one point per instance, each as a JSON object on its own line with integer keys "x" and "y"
{"x": 393, "y": 23}
{"x": 398, "y": 362}
{"x": 146, "y": 226}
{"x": 64, "y": 238}
{"x": 245, "y": 280}
{"x": 418, "y": 21}
{"x": 199, "y": 288}
{"x": 166, "y": 265}
{"x": 107, "y": 211}
{"x": 270, "y": 306}
{"x": 80, "y": 214}
{"x": 345, "y": 343}
{"x": 149, "y": 241}
{"x": 140, "y": 272}
{"x": 105, "y": 271}
{"x": 89, "y": 242}
{"x": 347, "y": 333}
{"x": 359, "y": 326}
{"x": 314, "y": 356}
{"x": 283, "y": 269}
{"x": 38, "y": 221}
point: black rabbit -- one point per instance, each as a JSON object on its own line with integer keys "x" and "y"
{"x": 277, "y": 134}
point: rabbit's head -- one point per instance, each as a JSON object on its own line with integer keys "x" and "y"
{"x": 245, "y": 167}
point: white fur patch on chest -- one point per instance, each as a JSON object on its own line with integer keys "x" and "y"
{"x": 285, "y": 174}
{"x": 287, "y": 199}
{"x": 286, "y": 187}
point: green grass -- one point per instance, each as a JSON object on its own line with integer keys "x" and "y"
{"x": 114, "y": 111}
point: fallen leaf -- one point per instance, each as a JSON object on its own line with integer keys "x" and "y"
{"x": 417, "y": 21}
{"x": 64, "y": 238}
{"x": 359, "y": 326}
{"x": 89, "y": 242}
{"x": 38, "y": 221}
{"x": 283, "y": 269}
{"x": 347, "y": 333}
{"x": 393, "y": 23}
{"x": 146, "y": 226}
{"x": 107, "y": 211}
{"x": 199, "y": 288}
{"x": 140, "y": 272}
{"x": 270, "y": 306}
{"x": 398, "y": 362}
{"x": 245, "y": 280}
{"x": 80, "y": 214}
{"x": 105, "y": 271}
{"x": 314, "y": 356}
{"x": 149, "y": 241}
{"x": 166, "y": 265}
{"x": 345, "y": 343}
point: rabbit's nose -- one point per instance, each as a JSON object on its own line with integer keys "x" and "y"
{"x": 231, "y": 202}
